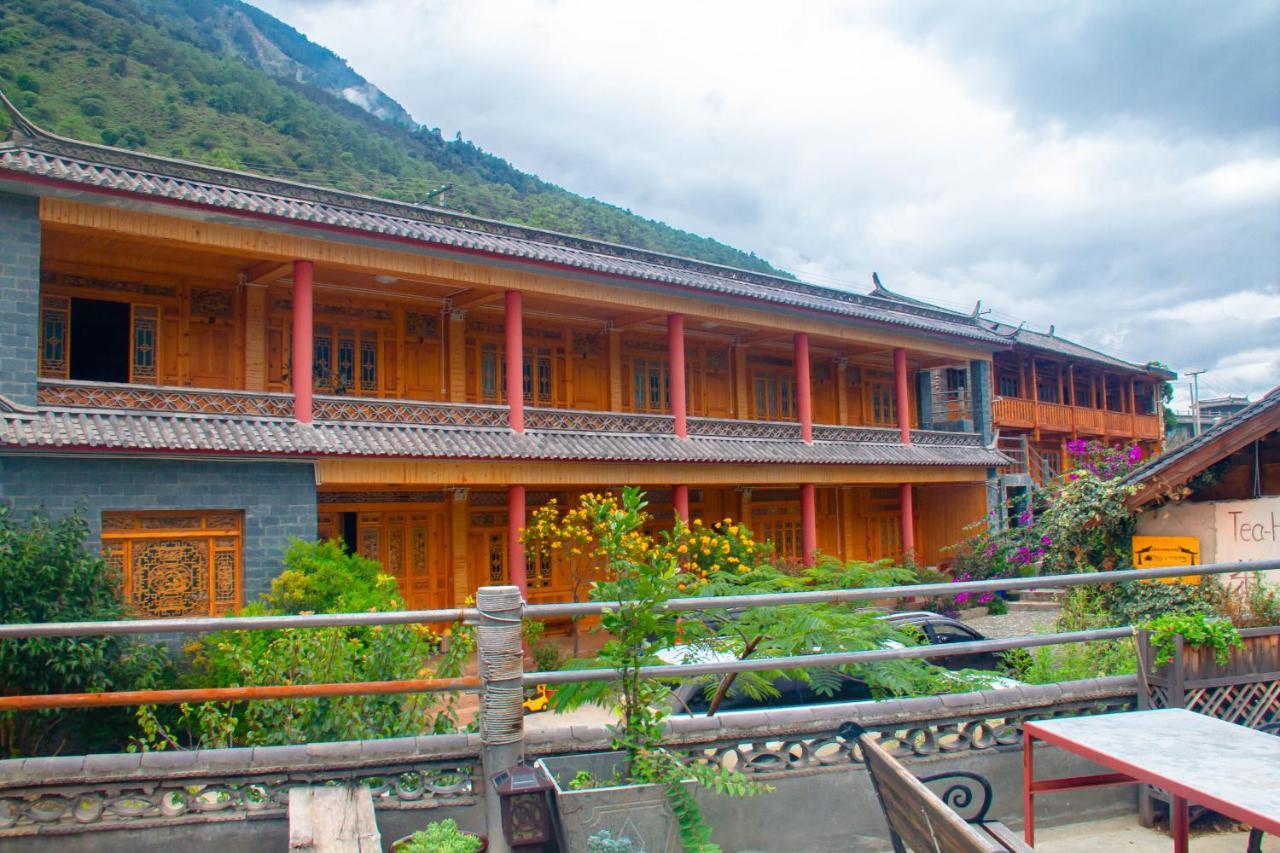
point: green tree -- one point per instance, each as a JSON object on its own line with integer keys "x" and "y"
{"x": 47, "y": 575}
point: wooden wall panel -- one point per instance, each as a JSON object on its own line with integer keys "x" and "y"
{"x": 255, "y": 338}
{"x": 942, "y": 514}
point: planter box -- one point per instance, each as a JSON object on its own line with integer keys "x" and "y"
{"x": 640, "y": 812}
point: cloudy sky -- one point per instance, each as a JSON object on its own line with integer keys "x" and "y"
{"x": 1110, "y": 168}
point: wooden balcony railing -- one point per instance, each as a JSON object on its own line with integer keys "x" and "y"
{"x": 1149, "y": 427}
{"x": 1027, "y": 414}
{"x": 1014, "y": 412}
{"x": 1054, "y": 416}
{"x": 1119, "y": 423}
{"x": 93, "y": 395}
{"x": 1090, "y": 421}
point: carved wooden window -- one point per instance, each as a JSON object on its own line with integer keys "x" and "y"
{"x": 780, "y": 525}
{"x": 650, "y": 384}
{"x": 143, "y": 360}
{"x": 775, "y": 394}
{"x": 345, "y": 361}
{"x": 493, "y": 373}
{"x": 1009, "y": 385}
{"x": 539, "y": 384}
{"x": 496, "y": 554}
{"x": 540, "y": 570}
{"x": 884, "y": 403}
{"x": 177, "y": 563}
{"x": 55, "y": 327}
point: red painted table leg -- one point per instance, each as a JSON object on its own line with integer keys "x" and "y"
{"x": 1181, "y": 823}
{"x": 1028, "y": 798}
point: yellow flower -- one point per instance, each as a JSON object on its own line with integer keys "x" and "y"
{"x": 682, "y": 550}
{"x": 733, "y": 531}
{"x": 715, "y": 567}
{"x": 743, "y": 570}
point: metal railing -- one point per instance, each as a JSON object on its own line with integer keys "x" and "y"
{"x": 501, "y": 681}
{"x": 539, "y": 612}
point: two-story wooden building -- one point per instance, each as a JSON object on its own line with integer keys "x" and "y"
{"x": 1050, "y": 391}
{"x": 156, "y": 315}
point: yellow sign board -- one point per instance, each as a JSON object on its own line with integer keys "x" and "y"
{"x": 1156, "y": 552}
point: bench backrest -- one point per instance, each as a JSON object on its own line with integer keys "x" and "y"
{"x": 916, "y": 815}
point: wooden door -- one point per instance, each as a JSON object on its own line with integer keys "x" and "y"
{"x": 429, "y": 578}
{"x": 487, "y": 557}
{"x": 211, "y": 350}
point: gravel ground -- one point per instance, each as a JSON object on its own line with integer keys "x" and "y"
{"x": 1015, "y": 623}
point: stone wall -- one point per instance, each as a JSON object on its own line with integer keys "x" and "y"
{"x": 19, "y": 297}
{"x": 822, "y": 798}
{"x": 278, "y": 498}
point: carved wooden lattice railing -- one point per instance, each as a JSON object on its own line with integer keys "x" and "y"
{"x": 80, "y": 395}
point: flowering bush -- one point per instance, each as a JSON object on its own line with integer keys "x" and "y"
{"x": 1077, "y": 523}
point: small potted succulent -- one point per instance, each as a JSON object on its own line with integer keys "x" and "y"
{"x": 442, "y": 836}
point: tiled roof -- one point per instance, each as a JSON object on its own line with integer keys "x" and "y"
{"x": 37, "y": 153}
{"x": 1070, "y": 349}
{"x": 194, "y": 434}
{"x": 1263, "y": 415}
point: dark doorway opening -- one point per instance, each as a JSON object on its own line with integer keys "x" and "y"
{"x": 99, "y": 340}
{"x": 349, "y": 532}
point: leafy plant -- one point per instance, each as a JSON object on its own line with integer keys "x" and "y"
{"x": 583, "y": 780}
{"x": 47, "y": 575}
{"x": 442, "y": 836}
{"x": 1196, "y": 629}
{"x": 642, "y": 578}
{"x": 319, "y": 575}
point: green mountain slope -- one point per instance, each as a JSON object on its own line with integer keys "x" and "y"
{"x": 221, "y": 82}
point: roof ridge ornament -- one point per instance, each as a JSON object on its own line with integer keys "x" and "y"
{"x": 22, "y": 126}
{"x": 876, "y": 287}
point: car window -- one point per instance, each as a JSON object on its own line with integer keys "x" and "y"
{"x": 954, "y": 634}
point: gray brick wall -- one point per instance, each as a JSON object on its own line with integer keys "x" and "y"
{"x": 19, "y": 297}
{"x": 278, "y": 498}
{"x": 980, "y": 379}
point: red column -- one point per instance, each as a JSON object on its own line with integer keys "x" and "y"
{"x": 302, "y": 341}
{"x": 804, "y": 390}
{"x": 675, "y": 373}
{"x": 514, "y": 322}
{"x": 516, "y": 569}
{"x": 903, "y": 396}
{"x": 905, "y": 499}
{"x": 680, "y": 497}
{"x": 808, "y": 522}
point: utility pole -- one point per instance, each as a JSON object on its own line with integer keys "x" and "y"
{"x": 1195, "y": 399}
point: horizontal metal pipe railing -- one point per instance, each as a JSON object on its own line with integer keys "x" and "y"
{"x": 471, "y": 683}
{"x": 238, "y": 694}
{"x": 732, "y": 602}
{"x": 201, "y": 625}
{"x": 830, "y": 659}
{"x": 209, "y": 624}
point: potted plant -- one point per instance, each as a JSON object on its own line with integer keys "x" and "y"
{"x": 442, "y": 836}
{"x": 640, "y": 789}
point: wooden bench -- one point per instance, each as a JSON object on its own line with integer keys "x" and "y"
{"x": 919, "y": 819}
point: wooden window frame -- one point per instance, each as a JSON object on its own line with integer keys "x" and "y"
{"x": 124, "y": 532}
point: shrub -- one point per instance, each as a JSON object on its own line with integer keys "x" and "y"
{"x": 319, "y": 577}
{"x": 442, "y": 836}
{"x": 47, "y": 575}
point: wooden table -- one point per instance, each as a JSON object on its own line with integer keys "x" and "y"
{"x": 1228, "y": 768}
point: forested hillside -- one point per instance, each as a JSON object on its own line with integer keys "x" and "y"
{"x": 218, "y": 81}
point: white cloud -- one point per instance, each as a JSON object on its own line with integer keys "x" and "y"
{"x": 835, "y": 139}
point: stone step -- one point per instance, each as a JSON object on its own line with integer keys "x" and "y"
{"x": 1028, "y": 606}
